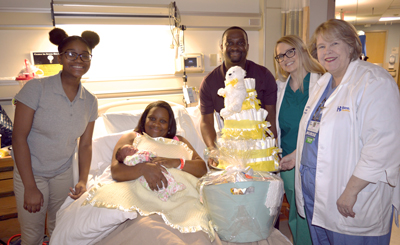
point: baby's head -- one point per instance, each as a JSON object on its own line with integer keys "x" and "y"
{"x": 124, "y": 151}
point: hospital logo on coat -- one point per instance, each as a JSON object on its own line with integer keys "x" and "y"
{"x": 342, "y": 108}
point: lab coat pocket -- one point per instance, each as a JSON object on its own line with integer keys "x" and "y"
{"x": 365, "y": 208}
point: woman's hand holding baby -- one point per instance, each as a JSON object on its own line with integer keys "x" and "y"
{"x": 153, "y": 173}
{"x": 167, "y": 162}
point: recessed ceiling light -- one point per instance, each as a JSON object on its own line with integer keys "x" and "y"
{"x": 389, "y": 18}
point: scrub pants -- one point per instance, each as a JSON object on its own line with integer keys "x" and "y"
{"x": 321, "y": 235}
{"x": 55, "y": 190}
{"x": 298, "y": 225}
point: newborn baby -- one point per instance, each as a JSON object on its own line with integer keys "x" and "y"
{"x": 130, "y": 155}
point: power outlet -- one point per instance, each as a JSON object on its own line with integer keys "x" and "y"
{"x": 213, "y": 59}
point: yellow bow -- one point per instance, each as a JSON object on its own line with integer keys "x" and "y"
{"x": 233, "y": 82}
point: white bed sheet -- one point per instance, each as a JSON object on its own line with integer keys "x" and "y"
{"x": 77, "y": 224}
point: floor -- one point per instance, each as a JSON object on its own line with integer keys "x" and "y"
{"x": 395, "y": 238}
{"x": 284, "y": 228}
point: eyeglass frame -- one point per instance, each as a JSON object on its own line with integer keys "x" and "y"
{"x": 277, "y": 57}
{"x": 76, "y": 56}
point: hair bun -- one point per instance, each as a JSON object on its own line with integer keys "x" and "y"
{"x": 57, "y": 35}
{"x": 91, "y": 37}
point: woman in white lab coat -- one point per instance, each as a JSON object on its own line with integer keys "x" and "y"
{"x": 348, "y": 161}
{"x": 297, "y": 73}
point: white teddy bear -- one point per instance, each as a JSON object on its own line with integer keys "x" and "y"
{"x": 234, "y": 92}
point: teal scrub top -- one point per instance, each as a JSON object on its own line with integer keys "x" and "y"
{"x": 290, "y": 113}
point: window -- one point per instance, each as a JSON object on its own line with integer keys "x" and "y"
{"x": 129, "y": 50}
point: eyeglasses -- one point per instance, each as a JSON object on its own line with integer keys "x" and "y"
{"x": 73, "y": 56}
{"x": 290, "y": 53}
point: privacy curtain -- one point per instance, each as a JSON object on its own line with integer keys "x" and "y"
{"x": 295, "y": 18}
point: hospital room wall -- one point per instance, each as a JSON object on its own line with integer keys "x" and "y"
{"x": 18, "y": 42}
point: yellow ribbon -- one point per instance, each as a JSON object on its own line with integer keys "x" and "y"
{"x": 233, "y": 82}
{"x": 265, "y": 166}
{"x": 250, "y": 103}
{"x": 251, "y": 100}
{"x": 243, "y": 135}
{"x": 270, "y": 132}
{"x": 243, "y": 129}
{"x": 244, "y": 124}
{"x": 251, "y": 93}
{"x": 257, "y": 153}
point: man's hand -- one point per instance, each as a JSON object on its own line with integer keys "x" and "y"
{"x": 212, "y": 154}
{"x": 212, "y": 163}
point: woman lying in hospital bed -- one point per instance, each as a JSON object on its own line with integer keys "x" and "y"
{"x": 107, "y": 213}
{"x": 155, "y": 132}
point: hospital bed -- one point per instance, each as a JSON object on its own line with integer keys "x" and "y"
{"x": 89, "y": 225}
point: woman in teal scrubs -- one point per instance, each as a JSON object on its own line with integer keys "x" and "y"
{"x": 296, "y": 73}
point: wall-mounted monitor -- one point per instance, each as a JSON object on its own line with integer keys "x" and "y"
{"x": 190, "y": 63}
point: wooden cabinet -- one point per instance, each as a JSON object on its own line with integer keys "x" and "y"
{"x": 9, "y": 225}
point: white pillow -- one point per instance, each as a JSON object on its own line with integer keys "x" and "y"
{"x": 186, "y": 128}
{"x": 102, "y": 149}
{"x": 76, "y": 224}
{"x": 116, "y": 122}
{"x": 99, "y": 128}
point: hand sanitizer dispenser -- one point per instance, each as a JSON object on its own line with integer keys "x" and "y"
{"x": 392, "y": 61}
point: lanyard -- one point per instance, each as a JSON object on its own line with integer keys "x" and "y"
{"x": 317, "y": 113}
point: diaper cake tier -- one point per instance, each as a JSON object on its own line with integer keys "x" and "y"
{"x": 245, "y": 134}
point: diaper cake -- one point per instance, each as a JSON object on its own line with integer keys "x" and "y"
{"x": 244, "y": 197}
{"x": 245, "y": 134}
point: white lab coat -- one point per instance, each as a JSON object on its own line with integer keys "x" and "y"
{"x": 360, "y": 136}
{"x": 281, "y": 93}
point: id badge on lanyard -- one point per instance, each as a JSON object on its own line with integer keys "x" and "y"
{"x": 313, "y": 126}
{"x": 312, "y": 130}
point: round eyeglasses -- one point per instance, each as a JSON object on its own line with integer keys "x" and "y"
{"x": 290, "y": 53}
{"x": 73, "y": 56}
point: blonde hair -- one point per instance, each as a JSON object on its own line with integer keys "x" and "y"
{"x": 337, "y": 29}
{"x": 305, "y": 59}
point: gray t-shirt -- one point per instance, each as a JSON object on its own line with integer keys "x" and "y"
{"x": 57, "y": 123}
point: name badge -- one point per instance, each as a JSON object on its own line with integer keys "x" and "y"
{"x": 312, "y": 130}
{"x": 313, "y": 126}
